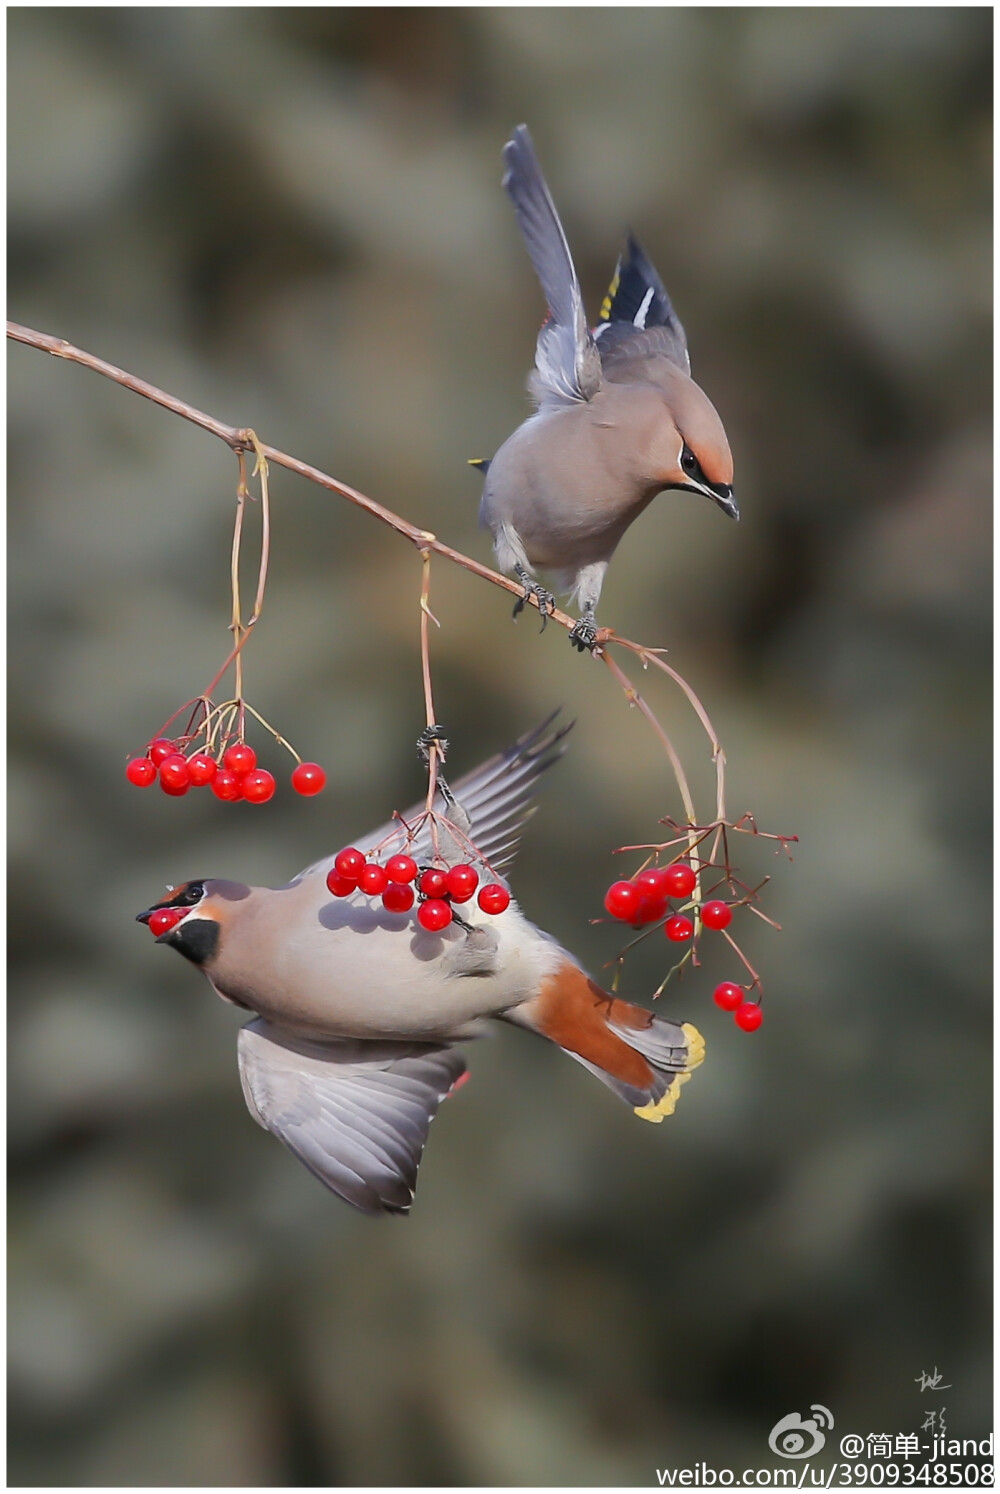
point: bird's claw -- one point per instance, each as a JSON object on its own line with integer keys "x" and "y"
{"x": 584, "y": 634}
{"x": 546, "y": 601}
{"x": 432, "y": 736}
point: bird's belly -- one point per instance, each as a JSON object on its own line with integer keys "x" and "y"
{"x": 375, "y": 975}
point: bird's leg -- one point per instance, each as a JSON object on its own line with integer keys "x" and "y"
{"x": 546, "y": 601}
{"x": 584, "y": 635}
{"x": 589, "y": 580}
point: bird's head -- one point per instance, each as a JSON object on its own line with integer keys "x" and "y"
{"x": 199, "y": 915}
{"x": 692, "y": 449}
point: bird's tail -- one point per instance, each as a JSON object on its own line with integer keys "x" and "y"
{"x": 644, "y": 1058}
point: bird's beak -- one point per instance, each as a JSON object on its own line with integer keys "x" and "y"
{"x": 722, "y": 494}
{"x": 144, "y": 917}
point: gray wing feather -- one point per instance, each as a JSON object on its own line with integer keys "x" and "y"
{"x": 567, "y": 365}
{"x": 496, "y": 798}
{"x": 355, "y": 1113}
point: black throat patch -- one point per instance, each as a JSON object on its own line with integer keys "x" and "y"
{"x": 197, "y": 939}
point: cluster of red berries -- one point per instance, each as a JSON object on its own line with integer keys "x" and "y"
{"x": 236, "y": 777}
{"x": 394, "y": 884}
{"x": 646, "y": 899}
{"x": 732, "y": 998}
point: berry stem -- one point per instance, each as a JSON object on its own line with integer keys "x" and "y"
{"x": 433, "y": 751}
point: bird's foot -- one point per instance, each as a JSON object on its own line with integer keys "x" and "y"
{"x": 546, "y": 601}
{"x": 584, "y": 635}
{"x": 432, "y": 736}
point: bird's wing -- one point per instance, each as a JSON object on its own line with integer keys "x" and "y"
{"x": 637, "y": 316}
{"x": 356, "y": 1113}
{"x": 567, "y": 367}
{"x": 494, "y": 799}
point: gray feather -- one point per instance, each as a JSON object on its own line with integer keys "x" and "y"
{"x": 568, "y": 368}
{"x": 355, "y": 1113}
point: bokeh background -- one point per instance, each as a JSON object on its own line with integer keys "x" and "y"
{"x": 294, "y": 219}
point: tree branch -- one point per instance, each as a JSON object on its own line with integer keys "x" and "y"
{"x": 244, "y": 439}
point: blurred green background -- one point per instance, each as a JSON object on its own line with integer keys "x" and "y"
{"x": 294, "y": 220}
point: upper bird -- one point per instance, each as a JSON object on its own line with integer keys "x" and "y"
{"x": 619, "y": 418}
{"x": 358, "y": 1008}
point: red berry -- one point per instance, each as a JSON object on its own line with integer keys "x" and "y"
{"x": 716, "y": 915}
{"x": 226, "y": 786}
{"x": 141, "y": 771}
{"x": 434, "y": 915}
{"x": 622, "y": 900}
{"x": 340, "y": 886}
{"x": 240, "y": 758}
{"x": 174, "y": 773}
{"x": 164, "y": 919}
{"x": 493, "y": 898}
{"x": 729, "y": 996}
{"x": 678, "y": 928}
{"x": 433, "y": 883}
{"x": 398, "y": 897}
{"x": 308, "y": 779}
{"x": 651, "y": 909}
{"x": 462, "y": 883}
{"x": 401, "y": 868}
{"x": 680, "y": 879}
{"x": 258, "y": 786}
{"x": 201, "y": 769}
{"x": 654, "y": 882}
{"x": 373, "y": 879}
{"x": 350, "y": 863}
{"x": 748, "y": 1016}
{"x": 159, "y": 749}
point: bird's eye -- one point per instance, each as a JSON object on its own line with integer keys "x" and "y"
{"x": 191, "y": 894}
{"x": 690, "y": 462}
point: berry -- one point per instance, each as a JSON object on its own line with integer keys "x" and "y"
{"x": 175, "y": 790}
{"x": 340, "y": 886}
{"x": 462, "y": 883}
{"x": 373, "y": 879}
{"x": 163, "y": 920}
{"x": 493, "y": 898}
{"x": 654, "y": 882}
{"x": 678, "y": 928}
{"x": 240, "y": 758}
{"x": 433, "y": 883}
{"x": 174, "y": 773}
{"x": 398, "y": 897}
{"x": 434, "y": 915}
{"x": 729, "y": 996}
{"x": 258, "y": 786}
{"x": 141, "y": 771}
{"x": 201, "y": 769}
{"x": 350, "y": 863}
{"x": 651, "y": 909}
{"x": 226, "y": 786}
{"x": 748, "y": 1017}
{"x": 401, "y": 868}
{"x": 680, "y": 879}
{"x": 622, "y": 900}
{"x": 716, "y": 915}
{"x": 308, "y": 779}
{"x": 159, "y": 749}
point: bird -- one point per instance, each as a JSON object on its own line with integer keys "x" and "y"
{"x": 618, "y": 417}
{"x": 359, "y": 1013}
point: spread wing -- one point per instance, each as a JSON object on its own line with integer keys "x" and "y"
{"x": 355, "y": 1113}
{"x": 637, "y": 316}
{"x": 567, "y": 367}
{"x": 494, "y": 802}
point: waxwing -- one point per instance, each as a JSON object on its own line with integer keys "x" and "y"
{"x": 357, "y": 1010}
{"x": 618, "y": 419}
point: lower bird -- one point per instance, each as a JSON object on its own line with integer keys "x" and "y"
{"x": 619, "y": 418}
{"x": 359, "y": 1010}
